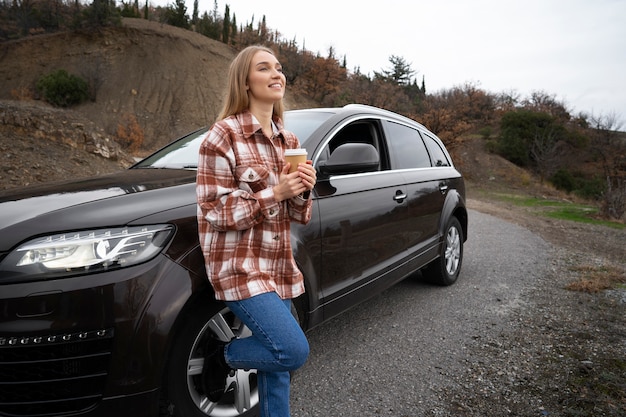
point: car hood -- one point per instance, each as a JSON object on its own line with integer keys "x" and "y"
{"x": 112, "y": 200}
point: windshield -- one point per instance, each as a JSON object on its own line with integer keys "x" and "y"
{"x": 304, "y": 123}
{"x": 183, "y": 153}
{"x": 180, "y": 154}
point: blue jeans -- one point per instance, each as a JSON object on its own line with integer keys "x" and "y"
{"x": 277, "y": 346}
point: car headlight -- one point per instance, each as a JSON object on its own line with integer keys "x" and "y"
{"x": 86, "y": 251}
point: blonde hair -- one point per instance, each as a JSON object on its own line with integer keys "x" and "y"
{"x": 236, "y": 99}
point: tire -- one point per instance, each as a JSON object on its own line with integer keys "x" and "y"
{"x": 184, "y": 396}
{"x": 446, "y": 268}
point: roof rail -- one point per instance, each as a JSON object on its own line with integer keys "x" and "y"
{"x": 378, "y": 109}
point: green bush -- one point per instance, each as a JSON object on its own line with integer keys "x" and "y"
{"x": 486, "y": 132}
{"x": 591, "y": 188}
{"x": 564, "y": 180}
{"x": 492, "y": 146}
{"x": 521, "y": 130}
{"x": 577, "y": 183}
{"x": 62, "y": 89}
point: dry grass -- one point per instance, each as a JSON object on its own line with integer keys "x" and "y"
{"x": 593, "y": 279}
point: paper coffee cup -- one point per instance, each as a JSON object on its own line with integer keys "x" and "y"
{"x": 295, "y": 156}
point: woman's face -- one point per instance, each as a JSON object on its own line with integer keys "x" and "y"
{"x": 266, "y": 81}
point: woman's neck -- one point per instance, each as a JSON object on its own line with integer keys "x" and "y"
{"x": 264, "y": 116}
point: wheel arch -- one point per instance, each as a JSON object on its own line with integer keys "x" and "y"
{"x": 454, "y": 206}
{"x": 175, "y": 300}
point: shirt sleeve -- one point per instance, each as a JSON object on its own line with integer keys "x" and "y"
{"x": 224, "y": 205}
{"x": 300, "y": 208}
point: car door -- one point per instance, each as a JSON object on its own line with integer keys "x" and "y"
{"x": 425, "y": 189}
{"x": 361, "y": 214}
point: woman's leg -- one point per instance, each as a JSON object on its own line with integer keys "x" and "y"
{"x": 277, "y": 346}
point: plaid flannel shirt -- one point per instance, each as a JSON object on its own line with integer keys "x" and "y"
{"x": 244, "y": 232}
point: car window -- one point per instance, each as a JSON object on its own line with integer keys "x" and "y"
{"x": 180, "y": 154}
{"x": 407, "y": 146}
{"x": 361, "y": 131}
{"x": 437, "y": 155}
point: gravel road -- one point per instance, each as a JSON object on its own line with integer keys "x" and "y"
{"x": 398, "y": 353}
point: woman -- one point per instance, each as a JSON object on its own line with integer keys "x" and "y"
{"x": 246, "y": 201}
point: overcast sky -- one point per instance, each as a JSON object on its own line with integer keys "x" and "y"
{"x": 574, "y": 50}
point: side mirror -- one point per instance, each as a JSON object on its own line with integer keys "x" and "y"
{"x": 351, "y": 158}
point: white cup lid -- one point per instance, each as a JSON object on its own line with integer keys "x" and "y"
{"x": 300, "y": 151}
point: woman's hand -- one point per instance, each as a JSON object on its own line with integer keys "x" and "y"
{"x": 296, "y": 183}
{"x": 307, "y": 175}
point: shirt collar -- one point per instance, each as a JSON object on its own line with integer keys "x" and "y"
{"x": 250, "y": 125}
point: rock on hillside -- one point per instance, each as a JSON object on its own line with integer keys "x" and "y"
{"x": 39, "y": 143}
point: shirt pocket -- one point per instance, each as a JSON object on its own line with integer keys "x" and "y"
{"x": 252, "y": 178}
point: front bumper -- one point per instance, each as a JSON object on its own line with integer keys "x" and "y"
{"x": 93, "y": 345}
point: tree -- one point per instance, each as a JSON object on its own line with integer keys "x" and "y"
{"x": 610, "y": 147}
{"x": 526, "y": 135}
{"x": 102, "y": 13}
{"x": 195, "y": 13}
{"x": 320, "y": 77}
{"x": 209, "y": 26}
{"x": 507, "y": 101}
{"x": 540, "y": 101}
{"x": 547, "y": 149}
{"x": 129, "y": 10}
{"x": 176, "y": 15}
{"x": 24, "y": 13}
{"x": 400, "y": 72}
{"x": 226, "y": 25}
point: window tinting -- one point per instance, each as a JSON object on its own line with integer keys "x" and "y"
{"x": 407, "y": 145}
{"x": 437, "y": 155}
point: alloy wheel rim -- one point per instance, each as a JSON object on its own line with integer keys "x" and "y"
{"x": 241, "y": 391}
{"x": 453, "y": 251}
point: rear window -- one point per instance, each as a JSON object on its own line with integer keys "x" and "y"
{"x": 437, "y": 155}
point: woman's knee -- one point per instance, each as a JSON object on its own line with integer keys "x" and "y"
{"x": 296, "y": 355}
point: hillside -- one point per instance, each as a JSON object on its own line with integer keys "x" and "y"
{"x": 171, "y": 79}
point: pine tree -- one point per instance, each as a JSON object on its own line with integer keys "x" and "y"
{"x": 226, "y": 26}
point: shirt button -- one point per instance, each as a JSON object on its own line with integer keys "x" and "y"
{"x": 272, "y": 212}
{"x": 275, "y": 169}
{"x": 277, "y": 237}
{"x": 251, "y": 176}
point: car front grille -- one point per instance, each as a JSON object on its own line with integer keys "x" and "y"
{"x": 53, "y": 374}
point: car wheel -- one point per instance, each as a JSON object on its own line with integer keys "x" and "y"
{"x": 184, "y": 395}
{"x": 445, "y": 269}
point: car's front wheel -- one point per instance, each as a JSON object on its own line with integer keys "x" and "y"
{"x": 445, "y": 269}
{"x": 184, "y": 395}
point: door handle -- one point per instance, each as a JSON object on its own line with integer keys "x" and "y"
{"x": 443, "y": 188}
{"x": 400, "y": 196}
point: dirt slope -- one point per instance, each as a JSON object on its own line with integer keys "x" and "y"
{"x": 169, "y": 78}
